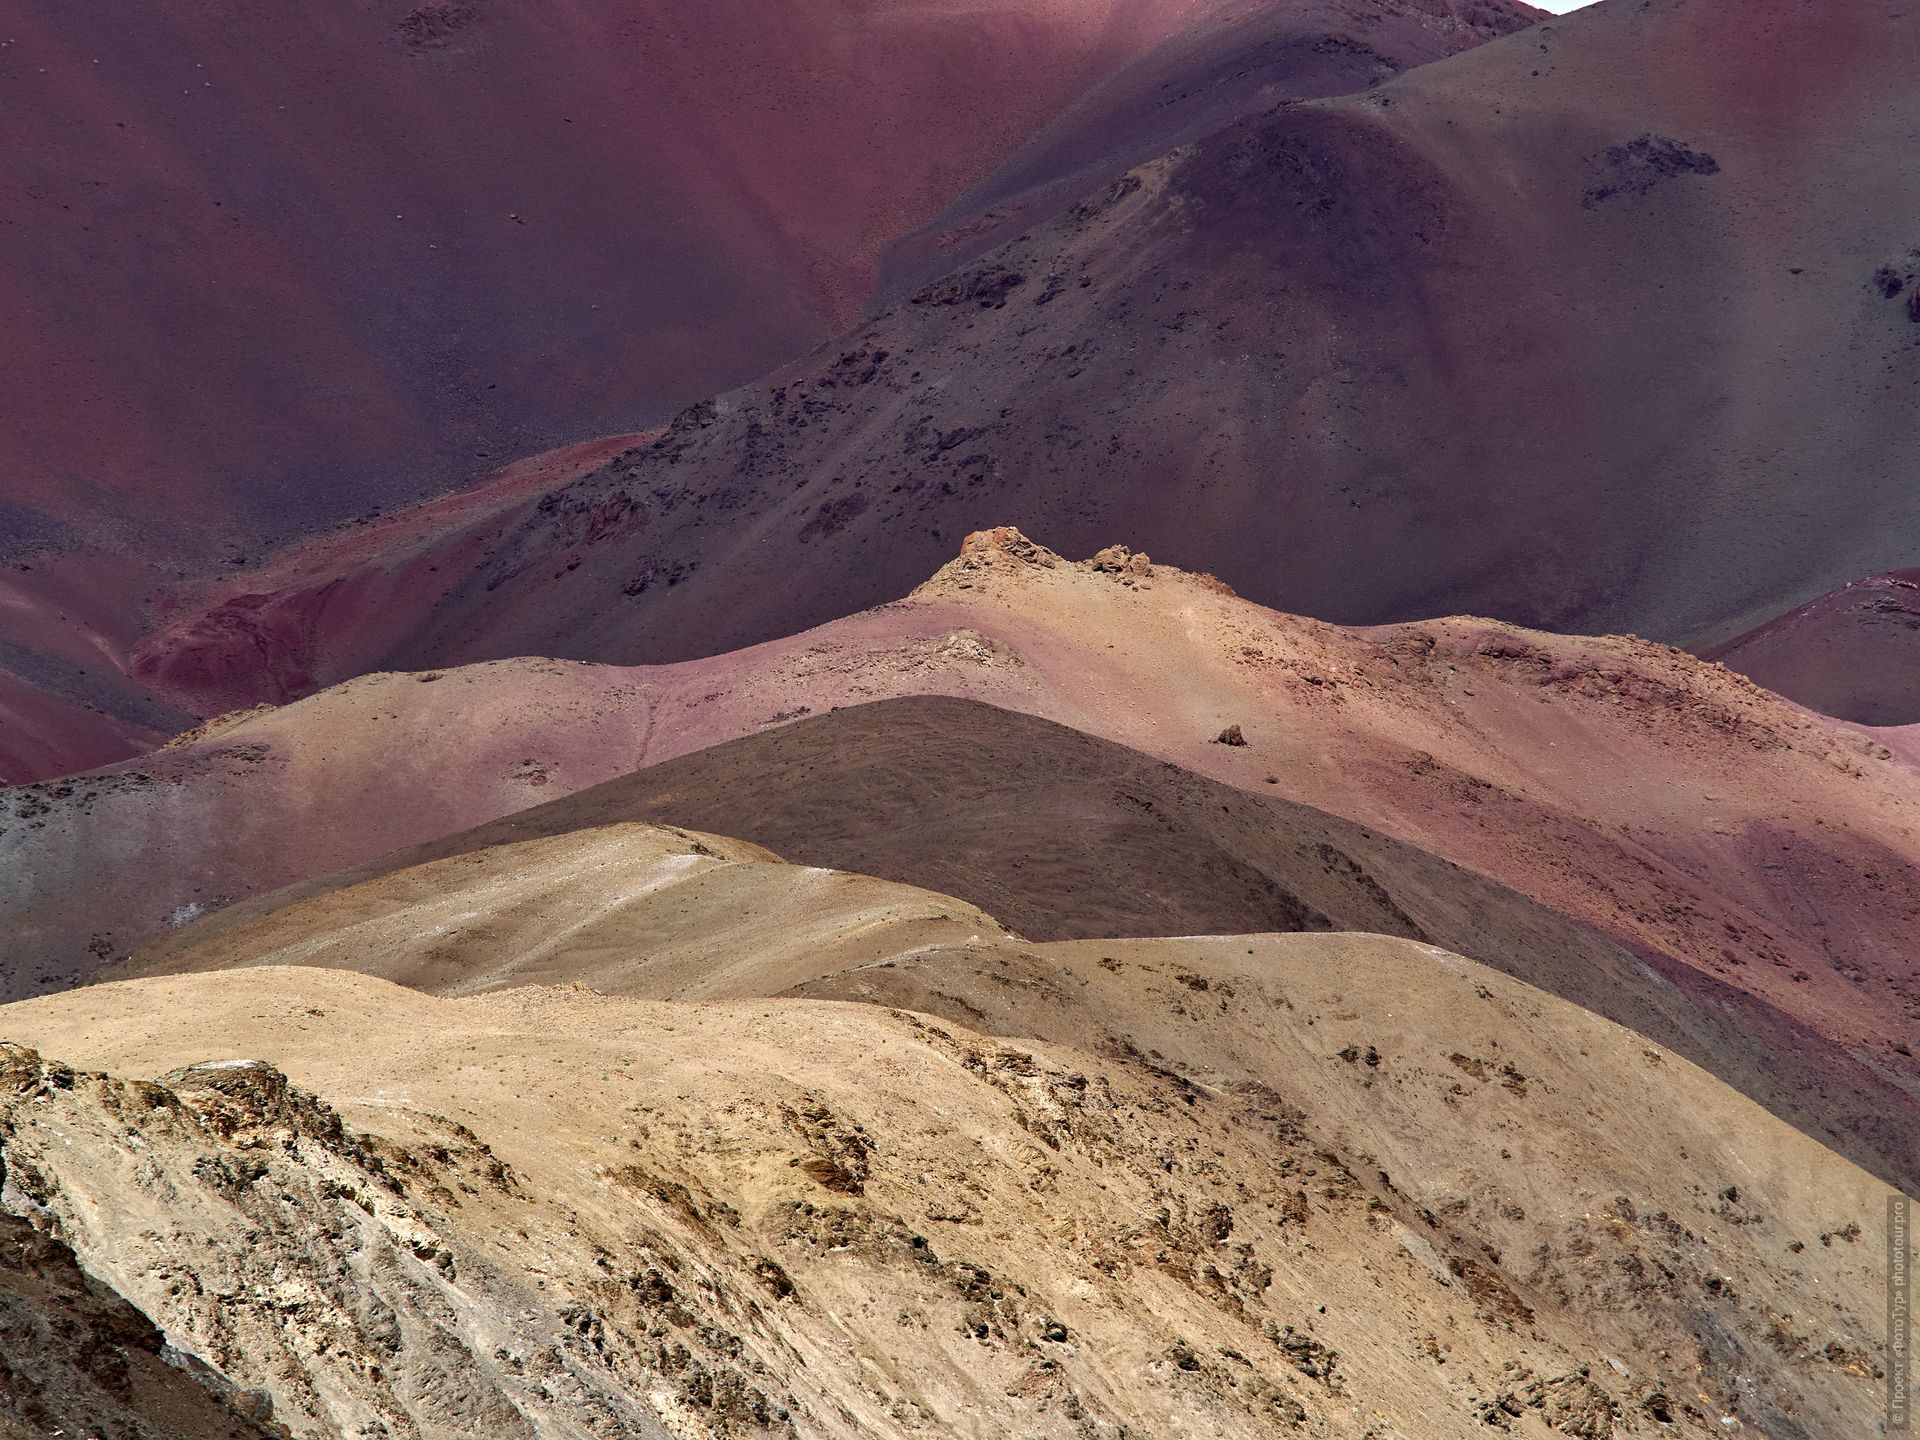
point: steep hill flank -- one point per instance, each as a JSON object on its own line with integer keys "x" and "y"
{"x": 267, "y": 278}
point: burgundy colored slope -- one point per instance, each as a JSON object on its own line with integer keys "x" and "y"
{"x": 67, "y": 701}
{"x": 1853, "y": 653}
{"x": 268, "y": 275}
{"x": 1234, "y": 63}
{"x": 1580, "y": 328}
{"x": 266, "y": 270}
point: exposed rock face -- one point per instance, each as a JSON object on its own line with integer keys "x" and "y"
{"x": 302, "y": 1258}
{"x": 1119, "y": 560}
{"x": 1639, "y": 165}
{"x": 77, "y": 1358}
{"x": 1001, "y": 547}
{"x": 1004, "y": 549}
{"x": 1222, "y": 1193}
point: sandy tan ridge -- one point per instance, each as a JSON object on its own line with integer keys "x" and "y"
{"x": 1325, "y": 1185}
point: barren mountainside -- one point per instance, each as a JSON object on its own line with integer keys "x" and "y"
{"x": 1853, "y": 653}
{"x": 1595, "y": 327}
{"x": 1498, "y": 750}
{"x": 959, "y": 719}
{"x": 271, "y": 278}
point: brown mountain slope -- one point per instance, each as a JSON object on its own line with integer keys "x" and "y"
{"x": 268, "y": 279}
{"x": 1853, "y": 653}
{"x": 1056, "y": 833}
{"x": 1413, "y": 1196}
{"x": 569, "y": 895}
{"x": 662, "y": 914}
{"x": 1588, "y": 328}
{"x": 1758, "y": 858}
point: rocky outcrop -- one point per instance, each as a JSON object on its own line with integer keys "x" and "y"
{"x": 77, "y": 1359}
{"x": 1219, "y": 1191}
{"x": 297, "y": 1258}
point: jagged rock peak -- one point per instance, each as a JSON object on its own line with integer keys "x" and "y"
{"x": 1004, "y": 550}
{"x": 1003, "y": 545}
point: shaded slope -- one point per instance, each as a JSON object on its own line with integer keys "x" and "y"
{"x": 850, "y": 1217}
{"x": 67, "y": 623}
{"x": 1580, "y": 329}
{"x": 1853, "y": 653}
{"x": 427, "y": 222}
{"x": 1054, "y": 832}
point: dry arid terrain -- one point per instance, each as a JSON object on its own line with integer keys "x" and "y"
{"x": 1325, "y": 1185}
{"x": 1853, "y": 653}
{"x": 270, "y": 278}
{"x": 1604, "y": 325}
{"x": 630, "y": 1114}
{"x": 983, "y": 720}
{"x": 1757, "y": 859}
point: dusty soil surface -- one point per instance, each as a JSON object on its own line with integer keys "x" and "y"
{"x": 1853, "y": 653}
{"x": 1327, "y": 1185}
{"x": 1594, "y": 327}
{"x": 627, "y": 909}
{"x": 563, "y": 896}
{"x": 1071, "y": 1000}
